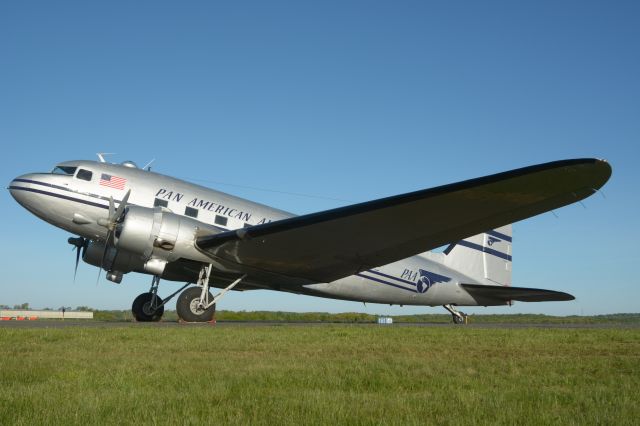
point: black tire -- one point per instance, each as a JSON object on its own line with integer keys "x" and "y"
{"x": 458, "y": 319}
{"x": 187, "y": 306}
{"x": 141, "y": 308}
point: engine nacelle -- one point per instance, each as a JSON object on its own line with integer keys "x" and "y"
{"x": 115, "y": 260}
{"x": 145, "y": 240}
{"x": 158, "y": 236}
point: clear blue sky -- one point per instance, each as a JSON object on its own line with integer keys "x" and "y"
{"x": 342, "y": 99}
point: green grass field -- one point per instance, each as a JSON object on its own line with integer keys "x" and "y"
{"x": 361, "y": 318}
{"x": 330, "y": 374}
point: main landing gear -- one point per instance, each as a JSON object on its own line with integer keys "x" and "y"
{"x": 195, "y": 304}
{"x": 458, "y": 317}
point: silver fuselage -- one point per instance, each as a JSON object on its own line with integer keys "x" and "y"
{"x": 77, "y": 205}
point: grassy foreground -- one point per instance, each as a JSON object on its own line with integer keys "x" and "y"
{"x": 362, "y": 318}
{"x": 336, "y": 374}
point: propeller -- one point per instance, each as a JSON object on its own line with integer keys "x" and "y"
{"x": 80, "y": 246}
{"x": 112, "y": 220}
{"x": 115, "y": 216}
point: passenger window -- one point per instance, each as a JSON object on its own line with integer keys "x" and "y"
{"x": 84, "y": 175}
{"x": 162, "y": 203}
{"x": 221, "y": 220}
{"x": 64, "y": 170}
{"x": 191, "y": 212}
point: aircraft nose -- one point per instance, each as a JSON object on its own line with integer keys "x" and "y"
{"x": 20, "y": 187}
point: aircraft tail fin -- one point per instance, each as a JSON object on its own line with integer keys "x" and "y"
{"x": 484, "y": 257}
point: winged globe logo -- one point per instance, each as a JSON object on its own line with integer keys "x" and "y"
{"x": 427, "y": 279}
{"x": 491, "y": 240}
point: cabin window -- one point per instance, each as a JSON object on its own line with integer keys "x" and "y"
{"x": 64, "y": 170}
{"x": 221, "y": 220}
{"x": 191, "y": 212}
{"x": 161, "y": 203}
{"x": 84, "y": 175}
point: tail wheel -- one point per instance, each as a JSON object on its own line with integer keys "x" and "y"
{"x": 143, "y": 310}
{"x": 460, "y": 319}
{"x": 187, "y": 306}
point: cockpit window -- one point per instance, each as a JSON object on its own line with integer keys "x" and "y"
{"x": 84, "y": 174}
{"x": 64, "y": 170}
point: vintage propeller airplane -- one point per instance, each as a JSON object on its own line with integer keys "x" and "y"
{"x": 133, "y": 220}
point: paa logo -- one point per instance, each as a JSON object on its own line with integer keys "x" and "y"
{"x": 427, "y": 279}
{"x": 491, "y": 240}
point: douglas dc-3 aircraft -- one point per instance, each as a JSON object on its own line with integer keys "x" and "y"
{"x": 134, "y": 220}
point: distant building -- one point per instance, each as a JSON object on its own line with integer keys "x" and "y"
{"x": 385, "y": 320}
{"x": 15, "y": 314}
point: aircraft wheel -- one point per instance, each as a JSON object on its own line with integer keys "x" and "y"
{"x": 142, "y": 310}
{"x": 187, "y": 306}
{"x": 462, "y": 319}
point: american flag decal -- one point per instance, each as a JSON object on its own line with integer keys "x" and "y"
{"x": 112, "y": 181}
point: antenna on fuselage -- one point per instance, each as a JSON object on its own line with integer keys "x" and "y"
{"x": 102, "y": 154}
{"x": 147, "y": 166}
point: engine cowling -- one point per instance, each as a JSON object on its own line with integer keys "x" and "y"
{"x": 114, "y": 260}
{"x": 158, "y": 236}
{"x": 145, "y": 240}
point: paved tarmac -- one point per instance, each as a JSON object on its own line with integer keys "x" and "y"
{"x": 115, "y": 324}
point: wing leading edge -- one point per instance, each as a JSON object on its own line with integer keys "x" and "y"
{"x": 332, "y": 244}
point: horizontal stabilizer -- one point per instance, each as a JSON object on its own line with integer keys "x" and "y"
{"x": 521, "y": 294}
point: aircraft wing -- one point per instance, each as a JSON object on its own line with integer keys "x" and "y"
{"x": 521, "y": 294}
{"x": 333, "y": 244}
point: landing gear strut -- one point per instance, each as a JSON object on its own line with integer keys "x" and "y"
{"x": 458, "y": 317}
{"x": 197, "y": 304}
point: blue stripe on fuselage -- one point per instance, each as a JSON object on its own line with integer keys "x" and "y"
{"x": 61, "y": 196}
{"x": 488, "y": 250}
{"x": 386, "y": 282}
{"x": 499, "y": 235}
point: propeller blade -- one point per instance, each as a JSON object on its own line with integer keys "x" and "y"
{"x": 108, "y": 243}
{"x": 98, "y": 278}
{"x": 112, "y": 209}
{"x": 110, "y": 223}
{"x": 75, "y": 271}
{"x": 122, "y": 206}
{"x": 77, "y": 243}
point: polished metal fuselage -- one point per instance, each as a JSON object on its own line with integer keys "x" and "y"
{"x": 77, "y": 206}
